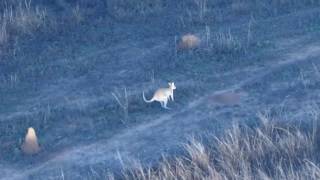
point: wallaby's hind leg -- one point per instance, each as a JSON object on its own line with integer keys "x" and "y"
{"x": 162, "y": 105}
{"x": 165, "y": 104}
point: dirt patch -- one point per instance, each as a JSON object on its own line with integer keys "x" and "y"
{"x": 226, "y": 98}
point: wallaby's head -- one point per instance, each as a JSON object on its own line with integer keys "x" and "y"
{"x": 171, "y": 85}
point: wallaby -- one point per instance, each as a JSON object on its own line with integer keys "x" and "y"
{"x": 162, "y": 95}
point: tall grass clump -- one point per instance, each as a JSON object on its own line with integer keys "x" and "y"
{"x": 202, "y": 9}
{"x": 269, "y": 151}
{"x": 28, "y": 19}
{"x": 223, "y": 42}
{"x": 3, "y": 31}
{"x": 123, "y": 102}
{"x": 226, "y": 43}
{"x": 128, "y": 10}
{"x": 274, "y": 7}
{"x": 241, "y": 6}
{"x": 18, "y": 18}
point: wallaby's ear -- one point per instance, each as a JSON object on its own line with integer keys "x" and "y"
{"x": 169, "y": 83}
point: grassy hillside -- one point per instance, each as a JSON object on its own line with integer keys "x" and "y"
{"x": 75, "y": 72}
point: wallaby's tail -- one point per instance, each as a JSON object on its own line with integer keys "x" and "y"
{"x": 145, "y": 100}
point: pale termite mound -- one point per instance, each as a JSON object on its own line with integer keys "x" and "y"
{"x": 189, "y": 41}
{"x": 30, "y": 145}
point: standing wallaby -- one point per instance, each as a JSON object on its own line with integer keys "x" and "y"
{"x": 162, "y": 95}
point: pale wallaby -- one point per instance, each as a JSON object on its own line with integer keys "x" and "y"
{"x": 162, "y": 95}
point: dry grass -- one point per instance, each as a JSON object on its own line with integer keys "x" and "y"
{"x": 123, "y": 101}
{"x": 20, "y": 18}
{"x": 3, "y": 31}
{"x": 273, "y": 6}
{"x": 128, "y": 10}
{"x": 223, "y": 42}
{"x": 226, "y": 42}
{"x": 240, "y": 7}
{"x": 269, "y": 151}
{"x": 77, "y": 14}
